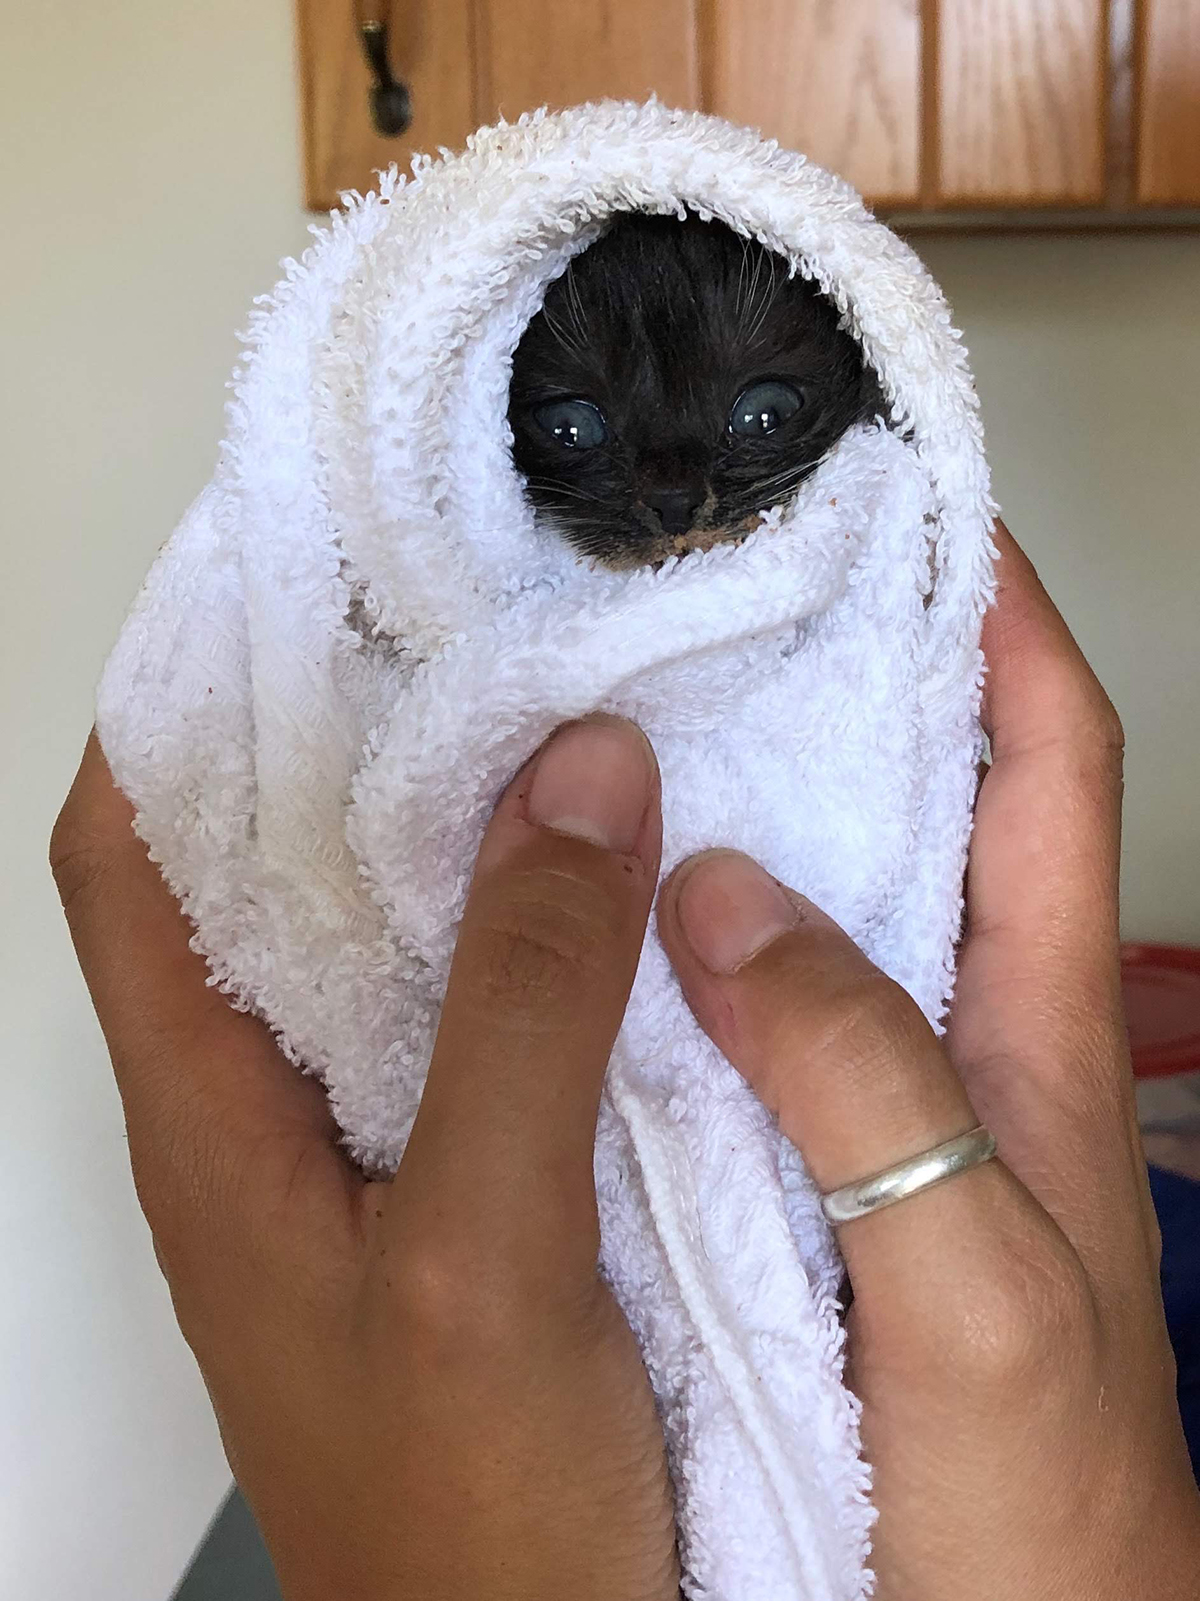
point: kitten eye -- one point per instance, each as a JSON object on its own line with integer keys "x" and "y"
{"x": 763, "y": 407}
{"x": 575, "y": 423}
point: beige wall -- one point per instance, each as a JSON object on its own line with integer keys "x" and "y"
{"x": 149, "y": 185}
{"x": 1086, "y": 351}
{"x": 148, "y": 175}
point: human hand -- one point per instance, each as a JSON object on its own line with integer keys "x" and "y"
{"x": 423, "y": 1386}
{"x": 1006, "y": 1336}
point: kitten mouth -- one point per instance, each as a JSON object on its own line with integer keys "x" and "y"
{"x": 656, "y": 547}
{"x": 663, "y": 547}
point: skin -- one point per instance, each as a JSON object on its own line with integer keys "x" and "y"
{"x": 424, "y": 1387}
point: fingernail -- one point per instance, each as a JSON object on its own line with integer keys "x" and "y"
{"x": 592, "y": 781}
{"x": 730, "y": 909}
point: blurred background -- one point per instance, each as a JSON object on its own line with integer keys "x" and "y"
{"x": 156, "y": 162}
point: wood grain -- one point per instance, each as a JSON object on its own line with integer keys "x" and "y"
{"x": 431, "y": 49}
{"x": 559, "y": 52}
{"x": 1020, "y": 88}
{"x": 1119, "y": 132}
{"x": 1168, "y": 99}
{"x": 840, "y": 81}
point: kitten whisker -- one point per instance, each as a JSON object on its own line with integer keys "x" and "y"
{"x": 739, "y": 293}
{"x": 764, "y": 493}
{"x": 752, "y": 289}
{"x": 579, "y": 319}
{"x": 769, "y": 294}
{"x": 659, "y": 320}
{"x": 571, "y": 492}
{"x": 573, "y": 346}
{"x": 794, "y": 470}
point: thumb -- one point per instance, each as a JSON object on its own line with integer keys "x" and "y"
{"x": 500, "y": 1161}
{"x": 845, "y": 1059}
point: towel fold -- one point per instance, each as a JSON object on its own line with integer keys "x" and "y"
{"x": 359, "y": 631}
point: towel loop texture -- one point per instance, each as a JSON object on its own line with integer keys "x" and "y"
{"x": 359, "y": 631}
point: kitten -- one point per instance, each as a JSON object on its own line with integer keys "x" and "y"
{"x": 675, "y": 383}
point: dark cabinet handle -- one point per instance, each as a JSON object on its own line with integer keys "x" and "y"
{"x": 391, "y": 103}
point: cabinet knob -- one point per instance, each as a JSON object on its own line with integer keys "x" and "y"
{"x": 391, "y": 103}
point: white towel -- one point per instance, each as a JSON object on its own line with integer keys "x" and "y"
{"x": 358, "y": 633}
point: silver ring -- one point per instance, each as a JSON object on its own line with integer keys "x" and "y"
{"x": 907, "y": 1178}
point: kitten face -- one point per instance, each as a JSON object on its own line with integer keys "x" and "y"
{"x": 674, "y": 384}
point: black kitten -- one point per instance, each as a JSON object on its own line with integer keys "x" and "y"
{"x": 676, "y": 383}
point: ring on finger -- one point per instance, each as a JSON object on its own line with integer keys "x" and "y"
{"x": 910, "y": 1177}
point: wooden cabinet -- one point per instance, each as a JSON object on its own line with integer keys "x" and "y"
{"x": 1019, "y": 102}
{"x": 1168, "y": 150}
{"x": 558, "y": 52}
{"x": 433, "y": 47}
{"x": 842, "y": 82}
{"x": 940, "y": 111}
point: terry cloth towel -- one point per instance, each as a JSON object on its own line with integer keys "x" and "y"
{"x": 358, "y": 633}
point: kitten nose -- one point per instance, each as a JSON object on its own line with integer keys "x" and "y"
{"x": 675, "y": 508}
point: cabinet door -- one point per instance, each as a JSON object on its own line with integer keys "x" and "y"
{"x": 1020, "y": 102}
{"x": 558, "y": 52}
{"x": 1168, "y": 99}
{"x": 842, "y": 82}
{"x": 429, "y": 48}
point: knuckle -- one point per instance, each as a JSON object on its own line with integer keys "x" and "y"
{"x": 430, "y": 1286}
{"x": 282, "y": 1212}
{"x": 549, "y": 935}
{"x": 997, "y": 1349}
{"x": 1097, "y": 709}
{"x": 74, "y": 863}
{"x": 79, "y": 861}
{"x": 1111, "y": 728}
{"x": 868, "y": 1023}
{"x": 1077, "y": 718}
{"x": 450, "y": 1304}
{"x": 190, "y": 1181}
{"x": 1104, "y": 732}
{"x": 1080, "y": 1064}
{"x": 178, "y": 1173}
{"x": 220, "y": 1234}
{"x": 1026, "y": 1320}
{"x": 1094, "y": 723}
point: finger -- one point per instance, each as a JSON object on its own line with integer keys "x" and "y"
{"x": 194, "y": 1075}
{"x": 842, "y": 1056}
{"x": 502, "y": 1147}
{"x": 1043, "y": 881}
{"x": 1036, "y": 1029}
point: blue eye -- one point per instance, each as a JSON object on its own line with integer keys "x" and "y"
{"x": 575, "y": 423}
{"x": 763, "y": 407}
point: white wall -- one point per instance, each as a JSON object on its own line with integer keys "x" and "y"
{"x": 149, "y": 185}
{"x": 1086, "y": 351}
{"x": 149, "y": 182}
